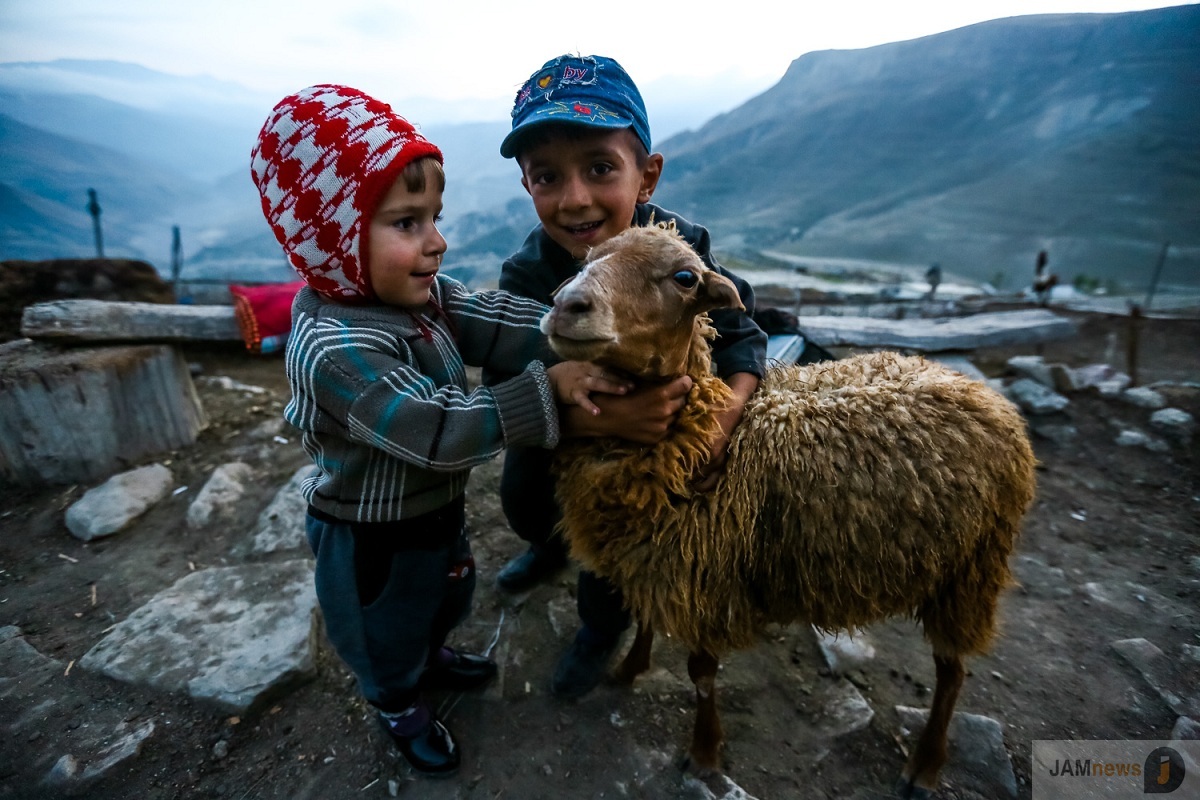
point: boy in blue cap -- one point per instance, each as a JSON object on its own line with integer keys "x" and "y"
{"x": 582, "y": 139}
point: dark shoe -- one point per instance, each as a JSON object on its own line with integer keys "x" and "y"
{"x": 432, "y": 751}
{"x": 458, "y": 672}
{"x": 584, "y": 664}
{"x": 529, "y": 569}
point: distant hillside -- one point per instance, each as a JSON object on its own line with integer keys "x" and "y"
{"x": 199, "y": 126}
{"x": 974, "y": 148}
{"x": 47, "y": 178}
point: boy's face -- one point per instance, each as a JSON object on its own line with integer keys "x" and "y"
{"x": 405, "y": 246}
{"x": 585, "y": 186}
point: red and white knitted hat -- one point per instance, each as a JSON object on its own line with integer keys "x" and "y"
{"x": 323, "y": 160}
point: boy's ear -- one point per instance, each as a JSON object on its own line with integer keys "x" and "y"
{"x": 525, "y": 183}
{"x": 651, "y": 172}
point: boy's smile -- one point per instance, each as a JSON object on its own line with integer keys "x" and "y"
{"x": 405, "y": 247}
{"x": 585, "y": 185}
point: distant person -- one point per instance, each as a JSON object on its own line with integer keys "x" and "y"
{"x": 582, "y": 140}
{"x": 1043, "y": 281}
{"x": 376, "y": 366}
{"x": 934, "y": 276}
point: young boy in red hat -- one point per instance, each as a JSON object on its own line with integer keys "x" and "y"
{"x": 582, "y": 140}
{"x": 376, "y": 365}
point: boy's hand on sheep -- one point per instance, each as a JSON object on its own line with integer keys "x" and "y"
{"x": 643, "y": 415}
{"x": 743, "y": 385}
{"x": 574, "y": 381}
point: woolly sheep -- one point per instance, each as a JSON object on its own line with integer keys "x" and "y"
{"x": 855, "y": 490}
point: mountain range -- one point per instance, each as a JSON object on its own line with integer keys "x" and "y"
{"x": 976, "y": 148}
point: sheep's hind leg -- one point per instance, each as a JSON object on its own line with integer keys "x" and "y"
{"x": 637, "y": 660}
{"x": 920, "y": 777}
{"x": 707, "y": 736}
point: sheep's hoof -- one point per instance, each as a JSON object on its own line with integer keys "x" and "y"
{"x": 908, "y": 790}
{"x": 691, "y": 767}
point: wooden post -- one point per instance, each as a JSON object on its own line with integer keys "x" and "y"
{"x": 1135, "y": 326}
{"x": 93, "y": 208}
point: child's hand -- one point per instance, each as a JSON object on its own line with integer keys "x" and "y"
{"x": 574, "y": 381}
{"x": 743, "y": 385}
{"x": 643, "y": 415}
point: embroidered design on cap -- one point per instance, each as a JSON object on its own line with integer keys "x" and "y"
{"x": 565, "y": 71}
{"x": 592, "y": 112}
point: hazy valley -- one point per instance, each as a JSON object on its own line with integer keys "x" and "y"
{"x": 974, "y": 148}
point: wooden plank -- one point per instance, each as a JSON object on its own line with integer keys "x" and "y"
{"x": 101, "y": 321}
{"x": 995, "y": 329}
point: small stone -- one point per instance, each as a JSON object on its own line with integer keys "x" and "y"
{"x": 1174, "y": 423}
{"x": 220, "y": 749}
{"x": 63, "y": 771}
{"x": 1143, "y": 397}
{"x": 1035, "y": 398}
{"x": 1186, "y": 729}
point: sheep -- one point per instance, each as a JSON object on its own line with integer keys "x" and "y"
{"x": 855, "y": 490}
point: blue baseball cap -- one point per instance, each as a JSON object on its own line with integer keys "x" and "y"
{"x": 581, "y": 90}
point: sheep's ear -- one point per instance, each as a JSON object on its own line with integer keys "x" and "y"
{"x": 717, "y": 291}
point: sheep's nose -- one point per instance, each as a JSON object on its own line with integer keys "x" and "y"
{"x": 572, "y": 302}
{"x": 577, "y": 307}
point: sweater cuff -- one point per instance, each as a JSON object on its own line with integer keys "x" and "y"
{"x": 527, "y": 410}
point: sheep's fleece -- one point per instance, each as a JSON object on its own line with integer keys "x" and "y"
{"x": 873, "y": 486}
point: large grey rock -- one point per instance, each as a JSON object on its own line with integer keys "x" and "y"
{"x": 233, "y": 636}
{"x": 1033, "y": 367}
{"x": 112, "y": 505}
{"x": 1132, "y": 437}
{"x": 1109, "y": 381}
{"x": 1174, "y": 423}
{"x": 25, "y": 675}
{"x": 1176, "y": 680}
{"x": 1035, "y": 398}
{"x": 844, "y": 711}
{"x": 994, "y": 329}
{"x": 1143, "y": 397}
{"x": 844, "y": 651}
{"x": 224, "y": 487}
{"x": 1038, "y": 579}
{"x": 123, "y": 744}
{"x": 281, "y": 524}
{"x": 963, "y": 365}
{"x": 978, "y": 760}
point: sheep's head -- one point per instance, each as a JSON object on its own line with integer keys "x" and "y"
{"x": 634, "y": 305}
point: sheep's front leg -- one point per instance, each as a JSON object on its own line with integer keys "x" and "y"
{"x": 637, "y": 660}
{"x": 707, "y": 736}
{"x": 920, "y": 777}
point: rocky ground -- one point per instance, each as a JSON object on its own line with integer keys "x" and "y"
{"x": 1109, "y": 554}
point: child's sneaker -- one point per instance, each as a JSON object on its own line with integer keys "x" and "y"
{"x": 423, "y": 740}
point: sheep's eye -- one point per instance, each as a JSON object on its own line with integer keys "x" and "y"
{"x": 686, "y": 278}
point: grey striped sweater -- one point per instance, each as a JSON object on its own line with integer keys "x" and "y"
{"x": 380, "y": 396}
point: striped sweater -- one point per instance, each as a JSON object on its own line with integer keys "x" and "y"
{"x": 380, "y": 396}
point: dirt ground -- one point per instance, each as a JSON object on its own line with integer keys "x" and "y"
{"x": 1126, "y": 518}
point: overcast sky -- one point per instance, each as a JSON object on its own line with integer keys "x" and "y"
{"x": 478, "y": 51}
